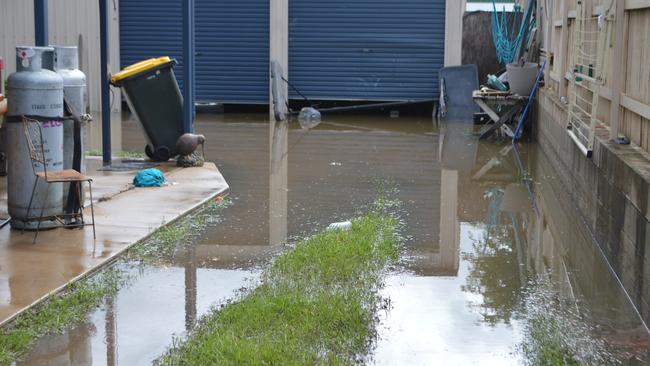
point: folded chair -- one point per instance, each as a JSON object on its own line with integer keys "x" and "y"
{"x": 34, "y": 138}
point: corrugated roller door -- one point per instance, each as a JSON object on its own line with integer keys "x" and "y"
{"x": 232, "y": 44}
{"x": 377, "y": 50}
{"x": 151, "y": 29}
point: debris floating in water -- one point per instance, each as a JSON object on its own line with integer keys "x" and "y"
{"x": 343, "y": 225}
{"x": 309, "y": 117}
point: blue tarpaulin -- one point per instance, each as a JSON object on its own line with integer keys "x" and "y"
{"x": 149, "y": 178}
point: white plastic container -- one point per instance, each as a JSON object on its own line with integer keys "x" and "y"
{"x": 343, "y": 226}
{"x": 522, "y": 79}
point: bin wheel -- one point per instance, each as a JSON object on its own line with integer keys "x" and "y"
{"x": 148, "y": 152}
{"x": 162, "y": 153}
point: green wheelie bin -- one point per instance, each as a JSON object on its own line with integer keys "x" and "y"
{"x": 152, "y": 93}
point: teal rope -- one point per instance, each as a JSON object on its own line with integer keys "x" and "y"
{"x": 502, "y": 36}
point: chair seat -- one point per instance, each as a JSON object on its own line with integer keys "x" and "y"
{"x": 68, "y": 175}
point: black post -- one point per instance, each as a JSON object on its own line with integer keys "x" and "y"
{"x": 188, "y": 65}
{"x": 40, "y": 22}
{"x": 105, "y": 87}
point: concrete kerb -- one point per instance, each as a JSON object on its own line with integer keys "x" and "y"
{"x": 111, "y": 260}
{"x": 626, "y": 167}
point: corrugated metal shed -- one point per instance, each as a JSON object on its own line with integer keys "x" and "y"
{"x": 382, "y": 50}
{"x": 231, "y": 44}
{"x": 16, "y": 27}
{"x": 71, "y": 23}
{"x": 338, "y": 49}
{"x": 150, "y": 30}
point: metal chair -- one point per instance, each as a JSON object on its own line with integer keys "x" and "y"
{"x": 34, "y": 137}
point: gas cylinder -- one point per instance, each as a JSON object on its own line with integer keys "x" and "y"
{"x": 33, "y": 91}
{"x": 66, "y": 64}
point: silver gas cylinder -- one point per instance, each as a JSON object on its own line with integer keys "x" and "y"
{"x": 66, "y": 64}
{"x": 33, "y": 91}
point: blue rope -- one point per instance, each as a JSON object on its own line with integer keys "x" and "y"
{"x": 530, "y": 101}
{"x": 506, "y": 47}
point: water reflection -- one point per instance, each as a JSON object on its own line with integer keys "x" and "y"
{"x": 70, "y": 348}
{"x": 278, "y": 185}
{"x": 481, "y": 218}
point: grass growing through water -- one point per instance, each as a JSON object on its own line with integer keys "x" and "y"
{"x": 169, "y": 239}
{"x": 58, "y": 313}
{"x": 315, "y": 305}
{"x": 556, "y": 332}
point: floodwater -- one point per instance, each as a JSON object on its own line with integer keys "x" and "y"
{"x": 483, "y": 223}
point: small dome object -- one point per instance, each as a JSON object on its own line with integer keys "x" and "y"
{"x": 187, "y": 143}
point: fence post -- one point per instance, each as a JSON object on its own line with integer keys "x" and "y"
{"x": 564, "y": 45}
{"x": 617, "y": 61}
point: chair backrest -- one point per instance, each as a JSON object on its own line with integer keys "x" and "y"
{"x": 459, "y": 83}
{"x": 34, "y": 139}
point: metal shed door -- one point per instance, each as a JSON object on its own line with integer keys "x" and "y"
{"x": 380, "y": 50}
{"x": 232, "y": 44}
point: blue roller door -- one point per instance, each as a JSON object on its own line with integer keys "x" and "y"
{"x": 232, "y": 44}
{"x": 380, "y": 50}
{"x": 150, "y": 29}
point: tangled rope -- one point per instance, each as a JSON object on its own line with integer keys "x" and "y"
{"x": 502, "y": 34}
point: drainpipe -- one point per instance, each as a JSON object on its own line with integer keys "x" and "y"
{"x": 104, "y": 86}
{"x": 40, "y": 22}
{"x": 188, "y": 65}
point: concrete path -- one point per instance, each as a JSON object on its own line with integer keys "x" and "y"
{"x": 124, "y": 215}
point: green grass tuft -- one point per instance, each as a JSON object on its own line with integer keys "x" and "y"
{"x": 58, "y": 313}
{"x": 316, "y": 304}
{"x": 119, "y": 154}
{"x": 169, "y": 239}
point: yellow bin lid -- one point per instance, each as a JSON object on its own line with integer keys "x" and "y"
{"x": 140, "y": 67}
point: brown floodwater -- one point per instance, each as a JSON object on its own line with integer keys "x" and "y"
{"x": 491, "y": 241}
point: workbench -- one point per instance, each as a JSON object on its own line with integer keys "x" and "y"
{"x": 500, "y": 107}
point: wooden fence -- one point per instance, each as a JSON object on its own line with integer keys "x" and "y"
{"x": 624, "y": 104}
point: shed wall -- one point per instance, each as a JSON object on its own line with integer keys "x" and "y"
{"x": 366, "y": 49}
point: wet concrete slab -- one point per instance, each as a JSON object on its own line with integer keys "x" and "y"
{"x": 124, "y": 215}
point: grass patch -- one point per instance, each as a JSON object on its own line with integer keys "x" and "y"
{"x": 316, "y": 304}
{"x": 58, "y": 313}
{"x": 119, "y": 154}
{"x": 167, "y": 241}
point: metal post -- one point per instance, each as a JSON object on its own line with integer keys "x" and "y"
{"x": 40, "y": 22}
{"x": 105, "y": 87}
{"x": 188, "y": 65}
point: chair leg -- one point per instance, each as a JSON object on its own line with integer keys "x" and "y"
{"x": 92, "y": 209}
{"x": 31, "y": 199}
{"x": 40, "y": 217}
{"x": 81, "y": 209}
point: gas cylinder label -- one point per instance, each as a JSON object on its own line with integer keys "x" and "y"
{"x": 48, "y": 124}
{"x": 42, "y": 107}
{"x": 24, "y": 54}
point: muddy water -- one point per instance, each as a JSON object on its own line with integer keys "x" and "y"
{"x": 481, "y": 221}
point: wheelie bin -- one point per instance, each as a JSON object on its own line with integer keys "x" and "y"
{"x": 152, "y": 93}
